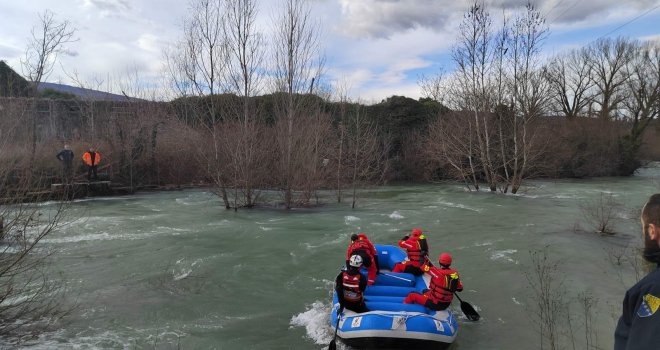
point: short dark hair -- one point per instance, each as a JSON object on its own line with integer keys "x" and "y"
{"x": 651, "y": 211}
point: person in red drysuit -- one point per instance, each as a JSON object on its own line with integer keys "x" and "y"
{"x": 417, "y": 250}
{"x": 362, "y": 246}
{"x": 444, "y": 282}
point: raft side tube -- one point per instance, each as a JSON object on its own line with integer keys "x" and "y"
{"x": 384, "y": 298}
{"x": 388, "y": 291}
{"x": 395, "y": 307}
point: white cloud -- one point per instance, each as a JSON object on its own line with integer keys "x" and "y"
{"x": 379, "y": 47}
{"x": 384, "y": 18}
{"x": 655, "y": 37}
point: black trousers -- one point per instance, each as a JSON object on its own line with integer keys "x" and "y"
{"x": 436, "y": 307}
{"x": 357, "y": 307}
{"x": 67, "y": 172}
{"x": 91, "y": 169}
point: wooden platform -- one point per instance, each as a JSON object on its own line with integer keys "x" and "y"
{"x": 56, "y": 187}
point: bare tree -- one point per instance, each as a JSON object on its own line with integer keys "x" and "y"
{"x": 642, "y": 100}
{"x": 31, "y": 296}
{"x": 450, "y": 145}
{"x": 528, "y": 89}
{"x": 608, "y": 59}
{"x": 569, "y": 76}
{"x": 549, "y": 296}
{"x": 364, "y": 151}
{"x": 297, "y": 65}
{"x": 602, "y": 212}
{"x": 198, "y": 66}
{"x": 48, "y": 39}
{"x": 342, "y": 111}
{"x": 473, "y": 57}
{"x": 245, "y": 53}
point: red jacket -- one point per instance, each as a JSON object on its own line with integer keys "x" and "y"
{"x": 444, "y": 282}
{"x": 362, "y": 243}
{"x": 413, "y": 248}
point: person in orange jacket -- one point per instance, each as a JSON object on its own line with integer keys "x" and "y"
{"x": 417, "y": 250}
{"x": 91, "y": 159}
{"x": 362, "y": 246}
{"x": 444, "y": 282}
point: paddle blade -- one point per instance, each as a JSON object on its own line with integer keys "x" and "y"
{"x": 469, "y": 311}
{"x": 333, "y": 345}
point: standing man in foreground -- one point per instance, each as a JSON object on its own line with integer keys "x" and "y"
{"x": 66, "y": 157}
{"x": 91, "y": 160}
{"x": 639, "y": 325}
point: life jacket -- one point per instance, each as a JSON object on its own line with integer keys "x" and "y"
{"x": 87, "y": 158}
{"x": 413, "y": 247}
{"x": 351, "y": 283}
{"x": 444, "y": 282}
{"x": 360, "y": 244}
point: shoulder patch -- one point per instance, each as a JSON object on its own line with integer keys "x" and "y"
{"x": 649, "y": 306}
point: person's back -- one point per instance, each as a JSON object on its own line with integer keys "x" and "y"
{"x": 639, "y": 324}
{"x": 416, "y": 250}
{"x": 444, "y": 282}
{"x": 361, "y": 245}
{"x": 350, "y": 285}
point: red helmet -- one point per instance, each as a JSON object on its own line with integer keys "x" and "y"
{"x": 445, "y": 259}
{"x": 416, "y": 232}
{"x": 362, "y": 236}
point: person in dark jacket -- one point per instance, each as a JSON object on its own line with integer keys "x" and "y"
{"x": 350, "y": 285}
{"x": 66, "y": 157}
{"x": 639, "y": 324}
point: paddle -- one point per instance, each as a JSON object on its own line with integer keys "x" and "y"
{"x": 333, "y": 343}
{"x": 468, "y": 310}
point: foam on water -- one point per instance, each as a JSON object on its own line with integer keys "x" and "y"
{"x": 503, "y": 255}
{"x": 348, "y": 219}
{"x": 396, "y": 215}
{"x": 316, "y": 322}
{"x": 340, "y": 238}
{"x": 105, "y": 236}
{"x": 459, "y": 206}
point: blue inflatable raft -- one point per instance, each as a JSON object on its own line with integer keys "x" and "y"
{"x": 390, "y": 323}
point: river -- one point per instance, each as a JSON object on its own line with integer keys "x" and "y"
{"x": 173, "y": 270}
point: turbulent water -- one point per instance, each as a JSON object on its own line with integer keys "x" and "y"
{"x": 173, "y": 270}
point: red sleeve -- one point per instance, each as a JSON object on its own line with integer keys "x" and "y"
{"x": 372, "y": 248}
{"x": 407, "y": 244}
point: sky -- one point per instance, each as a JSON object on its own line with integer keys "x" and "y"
{"x": 377, "y": 48}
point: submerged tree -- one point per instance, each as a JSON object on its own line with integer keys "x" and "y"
{"x": 245, "y": 145}
{"x": 297, "y": 65}
{"x": 197, "y": 66}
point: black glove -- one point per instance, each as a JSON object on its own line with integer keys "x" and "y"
{"x": 405, "y": 238}
{"x": 340, "y": 310}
